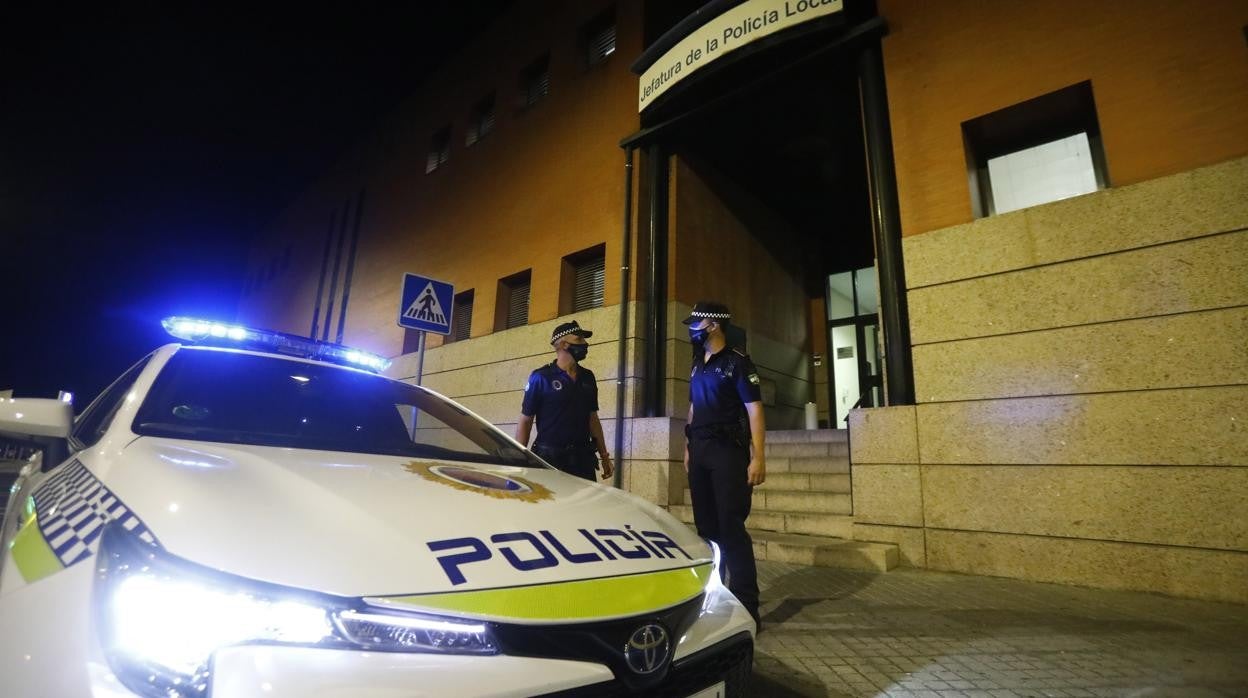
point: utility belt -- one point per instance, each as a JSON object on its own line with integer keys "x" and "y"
{"x": 735, "y": 434}
{"x": 547, "y": 451}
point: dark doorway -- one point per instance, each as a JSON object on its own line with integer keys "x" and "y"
{"x": 795, "y": 146}
{"x": 787, "y": 159}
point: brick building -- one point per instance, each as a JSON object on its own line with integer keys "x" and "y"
{"x": 1005, "y": 244}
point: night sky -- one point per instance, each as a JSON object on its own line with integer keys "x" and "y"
{"x": 141, "y": 149}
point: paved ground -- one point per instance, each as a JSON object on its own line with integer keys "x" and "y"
{"x": 917, "y": 633}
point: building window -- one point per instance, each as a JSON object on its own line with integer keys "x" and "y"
{"x": 512, "y": 308}
{"x": 1035, "y": 152}
{"x": 461, "y": 317}
{"x": 1048, "y": 172}
{"x": 481, "y": 121}
{"x": 439, "y": 149}
{"x": 598, "y": 38}
{"x": 535, "y": 82}
{"x": 411, "y": 340}
{"x": 582, "y": 281}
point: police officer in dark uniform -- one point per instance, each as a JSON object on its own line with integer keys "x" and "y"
{"x": 563, "y": 398}
{"x": 724, "y": 448}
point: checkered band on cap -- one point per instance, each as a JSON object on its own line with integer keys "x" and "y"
{"x": 713, "y": 316}
{"x": 568, "y": 328}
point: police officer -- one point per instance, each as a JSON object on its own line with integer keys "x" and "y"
{"x": 724, "y": 445}
{"x": 563, "y": 398}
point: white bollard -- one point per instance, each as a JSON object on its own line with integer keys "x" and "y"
{"x": 812, "y": 416}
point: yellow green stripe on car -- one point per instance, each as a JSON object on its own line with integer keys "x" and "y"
{"x": 583, "y": 599}
{"x": 31, "y": 553}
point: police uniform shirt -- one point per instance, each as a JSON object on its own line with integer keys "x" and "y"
{"x": 720, "y": 387}
{"x": 561, "y": 405}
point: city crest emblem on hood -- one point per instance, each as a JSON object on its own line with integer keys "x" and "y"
{"x": 481, "y": 481}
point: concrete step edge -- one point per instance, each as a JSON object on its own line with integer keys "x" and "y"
{"x": 807, "y": 436}
{"x": 824, "y": 551}
{"x": 680, "y": 508}
{"x": 767, "y": 490}
{"x": 801, "y": 523}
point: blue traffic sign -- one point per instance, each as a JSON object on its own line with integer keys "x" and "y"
{"x": 426, "y": 304}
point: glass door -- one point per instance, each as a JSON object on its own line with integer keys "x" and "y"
{"x": 853, "y": 343}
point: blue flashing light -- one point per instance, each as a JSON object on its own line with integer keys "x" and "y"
{"x": 209, "y": 332}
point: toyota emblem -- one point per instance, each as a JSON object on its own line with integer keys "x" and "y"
{"x": 647, "y": 649}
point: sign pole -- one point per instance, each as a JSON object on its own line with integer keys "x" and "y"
{"x": 420, "y": 361}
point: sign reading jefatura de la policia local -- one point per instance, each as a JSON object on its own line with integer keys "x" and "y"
{"x": 738, "y": 27}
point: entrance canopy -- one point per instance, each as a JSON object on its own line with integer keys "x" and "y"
{"x": 783, "y": 102}
{"x": 720, "y": 32}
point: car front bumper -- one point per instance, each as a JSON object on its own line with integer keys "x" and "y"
{"x": 50, "y": 648}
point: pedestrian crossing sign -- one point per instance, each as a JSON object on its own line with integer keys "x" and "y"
{"x": 426, "y": 304}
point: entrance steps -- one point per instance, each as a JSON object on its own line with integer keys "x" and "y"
{"x": 803, "y": 514}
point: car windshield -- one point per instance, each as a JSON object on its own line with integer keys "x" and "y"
{"x": 231, "y": 397}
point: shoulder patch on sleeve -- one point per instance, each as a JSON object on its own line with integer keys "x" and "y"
{"x": 753, "y": 378}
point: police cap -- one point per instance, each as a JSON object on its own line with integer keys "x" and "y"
{"x": 708, "y": 309}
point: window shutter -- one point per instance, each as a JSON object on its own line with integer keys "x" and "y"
{"x": 411, "y": 340}
{"x": 439, "y": 150}
{"x": 461, "y": 319}
{"x": 590, "y": 278}
{"x": 482, "y": 121}
{"x": 518, "y": 305}
{"x": 538, "y": 87}
{"x": 437, "y": 158}
{"x": 601, "y": 44}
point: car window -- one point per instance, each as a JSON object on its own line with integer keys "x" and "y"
{"x": 233, "y": 397}
{"x": 94, "y": 421}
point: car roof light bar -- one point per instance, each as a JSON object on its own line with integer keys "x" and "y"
{"x": 210, "y": 332}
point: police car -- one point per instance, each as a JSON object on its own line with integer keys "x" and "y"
{"x": 248, "y": 513}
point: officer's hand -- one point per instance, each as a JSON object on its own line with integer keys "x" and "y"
{"x": 686, "y": 458}
{"x": 606, "y": 467}
{"x": 757, "y": 473}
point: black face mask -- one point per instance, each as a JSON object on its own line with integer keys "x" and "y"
{"x": 578, "y": 351}
{"x": 698, "y": 337}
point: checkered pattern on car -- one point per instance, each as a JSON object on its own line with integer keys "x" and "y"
{"x": 72, "y": 507}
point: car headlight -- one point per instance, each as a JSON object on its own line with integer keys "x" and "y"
{"x": 161, "y": 619}
{"x": 715, "y": 589}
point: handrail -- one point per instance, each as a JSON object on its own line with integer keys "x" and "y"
{"x": 849, "y": 443}
{"x": 858, "y": 403}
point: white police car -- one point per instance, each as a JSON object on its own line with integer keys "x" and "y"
{"x": 239, "y": 515}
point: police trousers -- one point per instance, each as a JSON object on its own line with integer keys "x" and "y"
{"x": 576, "y": 459}
{"x": 721, "y": 503}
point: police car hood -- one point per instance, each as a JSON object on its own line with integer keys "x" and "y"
{"x": 368, "y": 525}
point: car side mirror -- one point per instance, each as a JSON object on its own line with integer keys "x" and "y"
{"x": 44, "y": 424}
{"x": 24, "y": 418}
